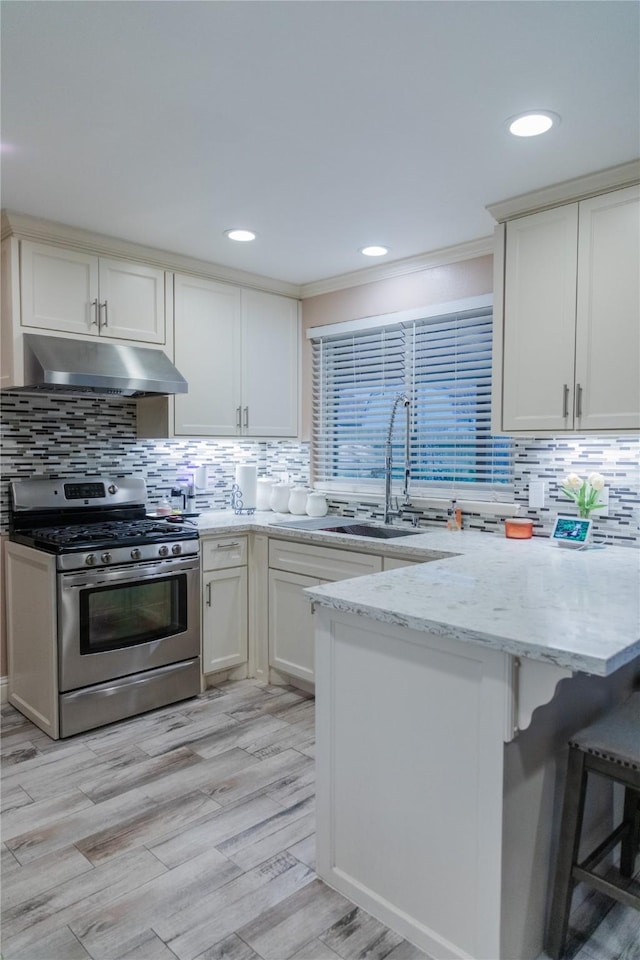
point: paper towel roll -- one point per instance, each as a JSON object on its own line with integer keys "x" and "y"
{"x": 247, "y": 480}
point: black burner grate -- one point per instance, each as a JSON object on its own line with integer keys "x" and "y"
{"x": 112, "y": 533}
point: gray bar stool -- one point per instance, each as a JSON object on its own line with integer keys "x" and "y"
{"x": 610, "y": 748}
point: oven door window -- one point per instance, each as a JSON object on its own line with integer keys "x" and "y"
{"x": 113, "y": 617}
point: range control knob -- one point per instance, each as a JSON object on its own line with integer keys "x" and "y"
{"x": 176, "y": 549}
{"x": 163, "y": 552}
{"x": 90, "y": 559}
{"x": 112, "y": 488}
{"x": 135, "y": 554}
{"x": 106, "y": 558}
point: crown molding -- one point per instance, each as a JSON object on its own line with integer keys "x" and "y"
{"x": 613, "y": 178}
{"x": 26, "y": 227}
{"x": 400, "y": 268}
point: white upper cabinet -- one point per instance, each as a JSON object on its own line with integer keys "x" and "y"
{"x": 132, "y": 305}
{"x": 207, "y": 353}
{"x": 238, "y": 350}
{"x": 69, "y": 291}
{"x": 571, "y": 324}
{"x": 269, "y": 365}
{"x": 540, "y": 319}
{"x": 608, "y": 312}
{"x": 58, "y": 289}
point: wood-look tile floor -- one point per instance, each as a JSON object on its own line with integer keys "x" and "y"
{"x": 189, "y": 832}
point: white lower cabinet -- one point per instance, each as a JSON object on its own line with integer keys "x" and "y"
{"x": 224, "y": 603}
{"x": 280, "y": 630}
{"x": 292, "y": 568}
{"x": 291, "y": 624}
{"x": 394, "y": 563}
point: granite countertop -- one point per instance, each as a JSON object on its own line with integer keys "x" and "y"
{"x": 418, "y": 547}
{"x": 579, "y": 609}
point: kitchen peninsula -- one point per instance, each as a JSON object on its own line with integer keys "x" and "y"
{"x": 446, "y": 689}
{"x": 445, "y": 696}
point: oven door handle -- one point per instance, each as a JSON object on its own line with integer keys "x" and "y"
{"x": 132, "y": 573}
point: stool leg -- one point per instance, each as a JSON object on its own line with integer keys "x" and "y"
{"x": 569, "y": 843}
{"x": 629, "y": 848}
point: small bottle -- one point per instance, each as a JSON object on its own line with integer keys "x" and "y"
{"x": 454, "y": 517}
{"x": 164, "y": 508}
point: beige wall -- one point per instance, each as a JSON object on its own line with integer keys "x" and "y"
{"x": 454, "y": 281}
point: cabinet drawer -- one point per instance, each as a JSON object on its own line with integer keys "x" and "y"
{"x": 221, "y": 552}
{"x": 324, "y": 563}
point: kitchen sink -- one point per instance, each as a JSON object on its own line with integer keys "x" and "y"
{"x": 371, "y": 530}
{"x": 326, "y": 525}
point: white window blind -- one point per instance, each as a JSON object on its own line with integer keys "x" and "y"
{"x": 443, "y": 364}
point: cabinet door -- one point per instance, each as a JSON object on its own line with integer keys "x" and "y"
{"x": 224, "y": 619}
{"x": 207, "y": 354}
{"x": 291, "y": 626}
{"x": 131, "y": 301}
{"x": 269, "y": 365}
{"x": 539, "y": 320}
{"x": 58, "y": 289}
{"x": 608, "y": 314}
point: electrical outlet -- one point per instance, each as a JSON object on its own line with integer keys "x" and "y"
{"x": 536, "y": 493}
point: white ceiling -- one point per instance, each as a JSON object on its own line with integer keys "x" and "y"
{"x": 323, "y": 125}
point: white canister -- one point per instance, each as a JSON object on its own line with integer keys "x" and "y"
{"x": 298, "y": 500}
{"x": 263, "y": 498}
{"x": 246, "y": 480}
{"x": 280, "y": 497}
{"x": 317, "y": 505}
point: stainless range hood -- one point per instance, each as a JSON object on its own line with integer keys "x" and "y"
{"x": 97, "y": 367}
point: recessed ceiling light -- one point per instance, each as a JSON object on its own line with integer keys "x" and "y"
{"x": 243, "y": 236}
{"x": 374, "y": 251}
{"x": 533, "y": 123}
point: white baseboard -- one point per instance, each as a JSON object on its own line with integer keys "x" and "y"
{"x": 4, "y": 689}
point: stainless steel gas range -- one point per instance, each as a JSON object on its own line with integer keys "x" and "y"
{"x": 103, "y": 610}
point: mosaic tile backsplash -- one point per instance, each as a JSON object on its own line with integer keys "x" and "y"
{"x": 56, "y": 436}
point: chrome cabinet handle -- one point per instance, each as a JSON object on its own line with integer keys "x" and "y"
{"x": 95, "y": 322}
{"x": 565, "y": 401}
{"x": 246, "y": 418}
{"x": 227, "y": 546}
{"x": 238, "y": 417}
{"x": 578, "y": 400}
{"x": 105, "y": 322}
{"x": 208, "y": 600}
